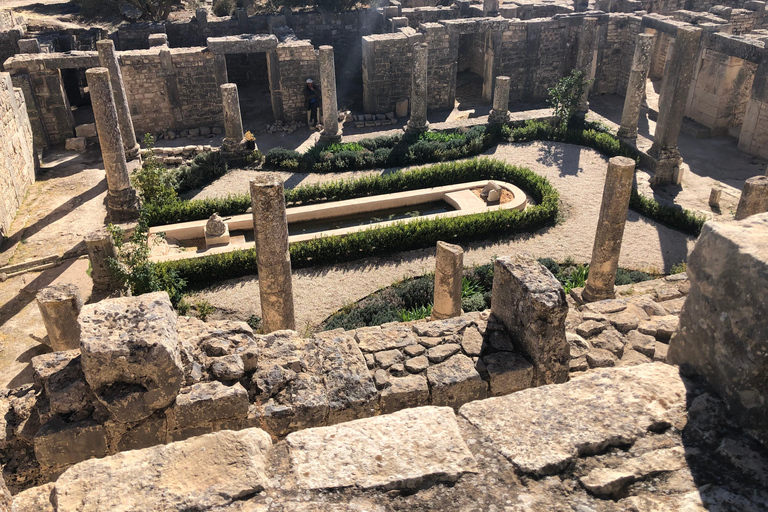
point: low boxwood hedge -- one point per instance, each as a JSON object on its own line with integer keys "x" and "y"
{"x": 401, "y": 236}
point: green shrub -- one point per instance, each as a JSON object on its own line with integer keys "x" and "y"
{"x": 205, "y": 168}
{"x": 416, "y": 292}
{"x": 154, "y": 183}
{"x": 678, "y": 268}
{"x": 282, "y": 158}
{"x": 374, "y": 312}
{"x": 564, "y": 97}
{"x": 223, "y": 8}
{"x": 415, "y": 313}
{"x": 551, "y": 265}
{"x": 624, "y": 276}
{"x": 474, "y": 302}
{"x": 674, "y": 217}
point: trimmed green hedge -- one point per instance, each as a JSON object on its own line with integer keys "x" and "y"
{"x": 398, "y": 237}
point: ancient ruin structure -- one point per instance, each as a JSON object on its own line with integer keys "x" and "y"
{"x": 449, "y": 267}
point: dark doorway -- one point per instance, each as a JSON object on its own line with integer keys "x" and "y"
{"x": 249, "y": 72}
{"x": 76, "y": 89}
{"x": 469, "y": 71}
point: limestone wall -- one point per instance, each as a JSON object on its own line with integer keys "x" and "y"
{"x": 12, "y": 28}
{"x": 421, "y": 15}
{"x": 615, "y": 48}
{"x": 387, "y": 65}
{"x": 17, "y": 161}
{"x": 298, "y": 61}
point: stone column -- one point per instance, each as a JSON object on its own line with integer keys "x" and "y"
{"x": 101, "y": 247}
{"x": 449, "y": 267}
{"x": 610, "y": 229}
{"x": 638, "y": 74}
{"x": 108, "y": 59}
{"x": 122, "y": 203}
{"x": 500, "y": 112}
{"x": 754, "y": 197}
{"x": 584, "y": 55}
{"x": 331, "y": 131}
{"x": 674, "y": 94}
{"x": 60, "y": 306}
{"x": 418, "y": 121}
{"x": 270, "y": 228}
{"x": 233, "y": 123}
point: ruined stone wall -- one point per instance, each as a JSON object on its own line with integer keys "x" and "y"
{"x": 471, "y": 53}
{"x": 17, "y": 162}
{"x": 12, "y": 28}
{"x": 754, "y": 131}
{"x": 387, "y": 67}
{"x": 429, "y": 15}
{"x": 441, "y": 68}
{"x": 616, "y": 45}
{"x": 135, "y": 36}
{"x": 298, "y": 61}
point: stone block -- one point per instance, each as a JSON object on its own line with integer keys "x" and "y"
{"x": 456, "y": 382}
{"x": 631, "y": 401}
{"x": 376, "y": 339}
{"x": 36, "y": 499}
{"x": 402, "y": 450}
{"x": 404, "y": 393}
{"x": 723, "y": 335}
{"x": 508, "y": 373}
{"x": 207, "y": 402}
{"x": 531, "y": 303}
{"x": 60, "y": 306}
{"x": 59, "y": 443}
{"x": 203, "y": 473}
{"x": 150, "y": 432}
{"x": 130, "y": 354}
{"x": 228, "y": 368}
{"x": 401, "y": 107}
{"x": 86, "y": 130}
{"x": 75, "y": 144}
{"x": 60, "y": 375}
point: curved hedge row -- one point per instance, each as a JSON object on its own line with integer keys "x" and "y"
{"x": 398, "y": 237}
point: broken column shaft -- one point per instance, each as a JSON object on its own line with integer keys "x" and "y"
{"x": 641, "y": 64}
{"x": 610, "y": 229}
{"x": 60, "y": 306}
{"x": 584, "y": 55}
{"x": 108, "y": 59}
{"x": 331, "y": 131}
{"x": 270, "y": 228}
{"x": 754, "y": 197}
{"x": 233, "y": 122}
{"x": 418, "y": 120}
{"x": 101, "y": 247}
{"x": 122, "y": 203}
{"x": 500, "y": 112}
{"x": 449, "y": 266}
{"x": 675, "y": 85}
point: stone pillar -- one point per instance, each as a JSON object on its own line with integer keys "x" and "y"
{"x": 754, "y": 197}
{"x": 449, "y": 267}
{"x": 610, "y": 229}
{"x": 108, "y": 59}
{"x": 418, "y": 121}
{"x": 675, "y": 85}
{"x": 233, "y": 123}
{"x": 490, "y": 7}
{"x": 714, "y": 197}
{"x": 531, "y": 304}
{"x": 101, "y": 247}
{"x": 122, "y": 203}
{"x": 331, "y": 131}
{"x": 584, "y": 55}
{"x": 270, "y": 228}
{"x": 60, "y": 306}
{"x": 638, "y": 74}
{"x": 29, "y": 46}
{"x": 722, "y": 332}
{"x": 220, "y": 63}
{"x": 500, "y": 112}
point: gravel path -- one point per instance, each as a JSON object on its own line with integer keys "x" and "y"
{"x": 578, "y": 173}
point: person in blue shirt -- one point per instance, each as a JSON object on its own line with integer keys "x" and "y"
{"x": 311, "y": 102}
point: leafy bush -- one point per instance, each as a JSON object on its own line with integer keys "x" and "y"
{"x": 223, "y": 8}
{"x": 282, "y": 158}
{"x": 474, "y": 302}
{"x": 416, "y": 292}
{"x": 205, "y": 168}
{"x": 551, "y": 265}
{"x": 415, "y": 313}
{"x": 564, "y": 97}
{"x": 154, "y": 183}
{"x": 671, "y": 216}
{"x": 624, "y": 276}
{"x": 374, "y": 312}
{"x": 678, "y": 268}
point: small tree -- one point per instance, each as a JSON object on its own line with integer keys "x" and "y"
{"x": 155, "y": 183}
{"x": 565, "y": 95}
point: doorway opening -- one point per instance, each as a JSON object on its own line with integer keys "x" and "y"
{"x": 76, "y": 89}
{"x": 469, "y": 71}
{"x": 249, "y": 72}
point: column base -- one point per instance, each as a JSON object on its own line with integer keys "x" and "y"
{"x": 591, "y": 295}
{"x": 122, "y": 205}
{"x": 627, "y": 134}
{"x": 498, "y": 117}
{"x": 133, "y": 153}
{"x": 416, "y": 128}
{"x": 666, "y": 165}
{"x": 329, "y": 138}
{"x": 232, "y": 145}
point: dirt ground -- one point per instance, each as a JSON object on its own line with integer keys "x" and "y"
{"x": 67, "y": 202}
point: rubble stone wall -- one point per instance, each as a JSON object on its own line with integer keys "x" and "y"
{"x": 12, "y": 28}
{"x": 17, "y": 162}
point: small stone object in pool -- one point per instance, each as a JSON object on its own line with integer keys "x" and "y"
{"x": 216, "y": 231}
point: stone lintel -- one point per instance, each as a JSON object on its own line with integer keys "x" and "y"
{"x": 244, "y": 43}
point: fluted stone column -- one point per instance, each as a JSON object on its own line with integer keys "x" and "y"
{"x": 754, "y": 197}
{"x": 584, "y": 55}
{"x": 108, "y": 59}
{"x": 610, "y": 229}
{"x": 674, "y": 94}
{"x": 638, "y": 74}
{"x": 122, "y": 203}
{"x": 500, "y": 112}
{"x": 418, "y": 120}
{"x": 233, "y": 123}
{"x": 449, "y": 266}
{"x": 270, "y": 228}
{"x": 60, "y": 306}
{"x": 101, "y": 247}
{"x": 331, "y": 131}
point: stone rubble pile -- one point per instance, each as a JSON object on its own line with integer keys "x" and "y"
{"x": 280, "y": 126}
{"x": 191, "y": 134}
{"x": 368, "y": 120}
{"x": 181, "y": 155}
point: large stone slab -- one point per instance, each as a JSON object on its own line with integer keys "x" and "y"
{"x": 541, "y": 430}
{"x": 723, "y": 332}
{"x": 197, "y": 474}
{"x": 403, "y": 450}
{"x": 130, "y": 354}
